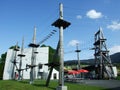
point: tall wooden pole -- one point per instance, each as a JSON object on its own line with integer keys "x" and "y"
{"x": 33, "y": 57}
{"x": 21, "y": 55}
{"x": 14, "y": 62}
{"x": 61, "y": 75}
{"x": 78, "y": 51}
{"x": 61, "y": 24}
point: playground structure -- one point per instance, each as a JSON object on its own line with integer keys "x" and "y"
{"x": 61, "y": 24}
{"x": 16, "y": 49}
{"x": 34, "y": 47}
{"x": 21, "y": 67}
{"x": 103, "y": 65}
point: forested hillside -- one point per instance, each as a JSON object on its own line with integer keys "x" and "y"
{"x": 115, "y": 58}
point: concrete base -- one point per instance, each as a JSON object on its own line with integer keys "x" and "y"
{"x": 61, "y": 88}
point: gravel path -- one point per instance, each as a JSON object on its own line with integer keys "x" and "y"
{"x": 108, "y": 84}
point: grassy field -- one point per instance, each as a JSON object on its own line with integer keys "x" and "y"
{"x": 118, "y": 78}
{"x": 40, "y": 85}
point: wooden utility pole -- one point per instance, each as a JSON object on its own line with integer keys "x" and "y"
{"x": 33, "y": 57}
{"x": 61, "y": 24}
{"x": 21, "y": 55}
{"x": 78, "y": 51}
{"x": 16, "y": 49}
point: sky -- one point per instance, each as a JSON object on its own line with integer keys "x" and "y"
{"x": 18, "y": 18}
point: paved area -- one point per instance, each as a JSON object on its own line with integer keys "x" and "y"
{"x": 108, "y": 84}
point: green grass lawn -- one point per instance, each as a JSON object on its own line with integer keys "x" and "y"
{"x": 40, "y": 85}
{"x": 118, "y": 77}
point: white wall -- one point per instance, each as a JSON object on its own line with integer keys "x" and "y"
{"x": 55, "y": 72}
{"x": 41, "y": 57}
{"x": 8, "y": 65}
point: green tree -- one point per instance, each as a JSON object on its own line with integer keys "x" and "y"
{"x": 13, "y": 47}
{"x": 51, "y": 54}
{"x": 2, "y": 63}
{"x": 43, "y": 45}
{"x": 52, "y": 51}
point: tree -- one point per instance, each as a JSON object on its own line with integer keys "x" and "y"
{"x": 51, "y": 53}
{"x": 2, "y": 63}
{"x": 43, "y": 45}
{"x": 13, "y": 47}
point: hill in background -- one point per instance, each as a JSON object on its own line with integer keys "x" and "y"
{"x": 115, "y": 58}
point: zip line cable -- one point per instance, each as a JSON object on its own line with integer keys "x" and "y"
{"x": 47, "y": 37}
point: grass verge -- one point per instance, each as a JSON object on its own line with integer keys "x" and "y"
{"x": 40, "y": 85}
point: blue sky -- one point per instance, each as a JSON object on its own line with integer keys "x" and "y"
{"x": 18, "y": 18}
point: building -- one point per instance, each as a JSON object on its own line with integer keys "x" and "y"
{"x": 41, "y": 71}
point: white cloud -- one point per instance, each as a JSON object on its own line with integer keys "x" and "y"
{"x": 93, "y": 14}
{"x": 114, "y": 26}
{"x": 73, "y": 43}
{"x": 79, "y": 17}
{"x": 114, "y": 49}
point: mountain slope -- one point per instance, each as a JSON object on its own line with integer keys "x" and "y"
{"x": 115, "y": 58}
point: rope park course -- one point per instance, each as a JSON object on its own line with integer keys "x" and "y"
{"x": 61, "y": 24}
{"x": 103, "y": 66}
